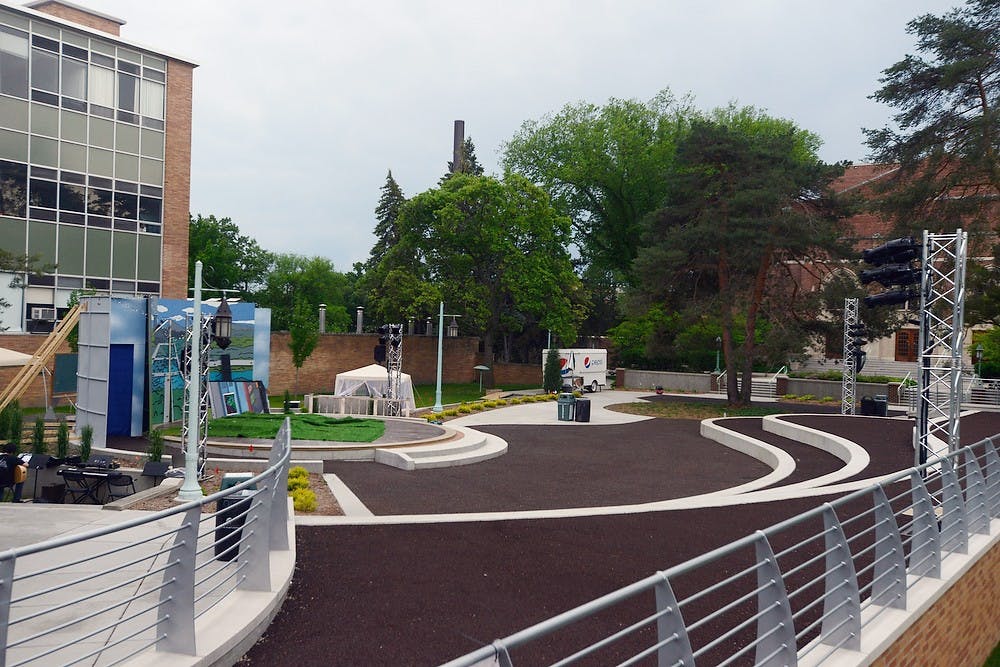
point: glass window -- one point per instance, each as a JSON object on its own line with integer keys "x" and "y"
{"x": 99, "y": 202}
{"x": 126, "y": 166}
{"x": 123, "y": 262}
{"x": 74, "y": 51}
{"x": 13, "y": 189}
{"x": 74, "y": 78}
{"x": 44, "y": 151}
{"x": 126, "y": 205}
{"x": 102, "y": 87}
{"x": 149, "y": 258}
{"x": 14, "y": 235}
{"x": 102, "y": 133}
{"x": 127, "y": 138}
{"x": 13, "y": 146}
{"x": 42, "y": 241}
{"x": 102, "y": 163}
{"x": 150, "y": 209}
{"x": 98, "y": 252}
{"x": 13, "y": 62}
{"x": 152, "y": 143}
{"x": 44, "y": 120}
{"x": 72, "y": 197}
{"x": 14, "y": 113}
{"x": 74, "y": 127}
{"x": 151, "y": 171}
{"x": 128, "y": 92}
{"x": 73, "y": 156}
{"x": 43, "y": 193}
{"x": 44, "y": 70}
{"x": 151, "y": 100}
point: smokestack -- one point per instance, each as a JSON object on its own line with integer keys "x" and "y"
{"x": 361, "y": 318}
{"x": 458, "y": 151}
{"x": 322, "y": 318}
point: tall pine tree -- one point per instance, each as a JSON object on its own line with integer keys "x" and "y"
{"x": 470, "y": 163}
{"x": 386, "y": 232}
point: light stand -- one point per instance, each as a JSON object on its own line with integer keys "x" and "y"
{"x": 191, "y": 490}
{"x": 222, "y": 331}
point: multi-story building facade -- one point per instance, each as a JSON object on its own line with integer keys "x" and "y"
{"x": 95, "y": 155}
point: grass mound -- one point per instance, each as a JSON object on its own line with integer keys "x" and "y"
{"x": 304, "y": 427}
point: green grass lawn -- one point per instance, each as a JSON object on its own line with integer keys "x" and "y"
{"x": 681, "y": 410}
{"x": 304, "y": 427}
{"x": 423, "y": 394}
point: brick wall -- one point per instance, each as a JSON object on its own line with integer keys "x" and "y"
{"x": 336, "y": 353}
{"x": 176, "y": 181}
{"x": 80, "y": 17}
{"x": 504, "y": 374}
{"x": 28, "y": 344}
{"x": 960, "y": 629}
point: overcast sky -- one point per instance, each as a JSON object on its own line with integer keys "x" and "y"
{"x": 301, "y": 107}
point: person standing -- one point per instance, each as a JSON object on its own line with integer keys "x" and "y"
{"x": 13, "y": 472}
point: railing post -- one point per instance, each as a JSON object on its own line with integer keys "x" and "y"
{"x": 671, "y": 635}
{"x": 7, "y": 560}
{"x": 977, "y": 513}
{"x": 841, "y": 598}
{"x": 775, "y": 626}
{"x": 175, "y": 629}
{"x": 925, "y": 548}
{"x": 278, "y": 523}
{"x": 889, "y": 576}
{"x": 256, "y": 551}
{"x": 992, "y": 478}
{"x": 954, "y": 532}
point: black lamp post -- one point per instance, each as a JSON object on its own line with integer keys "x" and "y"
{"x": 222, "y": 331}
{"x": 718, "y": 348}
{"x": 979, "y": 360}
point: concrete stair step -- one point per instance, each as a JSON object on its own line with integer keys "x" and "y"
{"x": 472, "y": 447}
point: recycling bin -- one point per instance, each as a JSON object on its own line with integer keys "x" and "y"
{"x": 231, "y": 479}
{"x": 227, "y": 535}
{"x": 582, "y": 410}
{"x": 868, "y": 406}
{"x": 881, "y": 405}
{"x": 566, "y": 404}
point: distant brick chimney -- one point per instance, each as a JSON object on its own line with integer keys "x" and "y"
{"x": 79, "y": 15}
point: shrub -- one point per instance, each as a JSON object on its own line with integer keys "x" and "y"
{"x": 501, "y": 402}
{"x": 807, "y": 397}
{"x": 287, "y": 404}
{"x": 829, "y": 399}
{"x": 38, "y": 436}
{"x": 15, "y": 428}
{"x": 451, "y": 412}
{"x": 489, "y": 404}
{"x": 304, "y": 500}
{"x": 155, "y": 449}
{"x": 464, "y": 409}
{"x": 789, "y": 397}
{"x": 298, "y": 471}
{"x": 5, "y": 420}
{"x": 551, "y": 379}
{"x": 62, "y": 440}
{"x": 297, "y": 483}
{"x": 86, "y": 441}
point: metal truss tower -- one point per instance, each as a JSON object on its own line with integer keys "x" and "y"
{"x": 202, "y": 435}
{"x": 847, "y": 391}
{"x": 394, "y": 366}
{"x": 942, "y": 295}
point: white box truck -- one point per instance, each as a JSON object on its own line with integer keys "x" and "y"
{"x": 583, "y": 369}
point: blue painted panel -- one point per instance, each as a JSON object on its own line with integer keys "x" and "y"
{"x": 120, "y": 390}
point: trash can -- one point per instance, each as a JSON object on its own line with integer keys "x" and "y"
{"x": 231, "y": 479}
{"x": 566, "y": 403}
{"x": 227, "y": 537}
{"x": 583, "y": 409}
{"x": 881, "y": 405}
{"x": 868, "y": 406}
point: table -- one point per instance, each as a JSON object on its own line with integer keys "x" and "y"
{"x": 87, "y": 484}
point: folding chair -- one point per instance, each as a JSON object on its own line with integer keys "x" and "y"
{"x": 120, "y": 482}
{"x": 78, "y": 488}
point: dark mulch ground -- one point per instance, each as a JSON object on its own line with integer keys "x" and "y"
{"x": 423, "y": 594}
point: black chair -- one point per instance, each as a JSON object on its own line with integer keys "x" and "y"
{"x": 77, "y": 488}
{"x": 155, "y": 469}
{"x": 120, "y": 482}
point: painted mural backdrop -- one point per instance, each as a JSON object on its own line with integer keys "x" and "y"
{"x": 168, "y": 361}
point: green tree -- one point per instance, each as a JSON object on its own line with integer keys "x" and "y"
{"x": 470, "y": 163}
{"x": 606, "y": 168}
{"x": 19, "y": 267}
{"x": 551, "y": 379}
{"x": 230, "y": 260}
{"x": 304, "y": 335}
{"x": 312, "y": 280}
{"x": 946, "y": 132}
{"x": 749, "y": 198}
{"x": 386, "y": 235}
{"x": 495, "y": 249}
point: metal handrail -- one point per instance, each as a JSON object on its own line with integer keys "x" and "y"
{"x": 869, "y": 548}
{"x": 151, "y": 598}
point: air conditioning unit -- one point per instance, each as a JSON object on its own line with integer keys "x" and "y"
{"x": 47, "y": 314}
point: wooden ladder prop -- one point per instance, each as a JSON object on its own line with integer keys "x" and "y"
{"x": 26, "y": 375}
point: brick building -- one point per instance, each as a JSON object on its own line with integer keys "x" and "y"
{"x": 95, "y": 157}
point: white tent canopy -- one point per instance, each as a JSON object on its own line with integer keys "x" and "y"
{"x": 373, "y": 380}
{"x": 13, "y": 358}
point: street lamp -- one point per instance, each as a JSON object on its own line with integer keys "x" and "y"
{"x": 437, "y": 393}
{"x": 481, "y": 369}
{"x": 718, "y": 348}
{"x": 222, "y": 332}
{"x": 190, "y": 489}
{"x": 979, "y": 360}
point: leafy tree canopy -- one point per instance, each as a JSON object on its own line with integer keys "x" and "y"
{"x": 946, "y": 132}
{"x": 470, "y": 163}
{"x": 748, "y": 199}
{"x": 309, "y": 280}
{"x": 230, "y": 260}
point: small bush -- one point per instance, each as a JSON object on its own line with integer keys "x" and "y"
{"x": 807, "y": 397}
{"x": 62, "y": 440}
{"x": 86, "y": 441}
{"x": 464, "y": 409}
{"x": 501, "y": 402}
{"x": 304, "y": 500}
{"x": 287, "y": 404}
{"x": 38, "y": 436}
{"x": 829, "y": 399}
{"x": 155, "y": 449}
{"x": 15, "y": 430}
{"x": 489, "y": 404}
{"x": 790, "y": 397}
{"x": 297, "y": 483}
{"x": 298, "y": 471}
{"x": 451, "y": 412}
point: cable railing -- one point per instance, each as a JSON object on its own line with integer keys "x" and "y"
{"x": 105, "y": 595}
{"x": 797, "y": 593}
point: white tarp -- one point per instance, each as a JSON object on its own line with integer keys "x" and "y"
{"x": 13, "y": 358}
{"x": 373, "y": 380}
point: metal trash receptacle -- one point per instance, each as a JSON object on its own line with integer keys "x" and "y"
{"x": 227, "y": 535}
{"x": 565, "y": 405}
{"x": 231, "y": 479}
{"x": 881, "y": 405}
{"x": 868, "y": 406}
{"x": 582, "y": 410}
